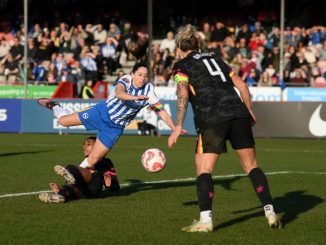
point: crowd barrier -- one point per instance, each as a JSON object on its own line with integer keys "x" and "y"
{"x": 274, "y": 119}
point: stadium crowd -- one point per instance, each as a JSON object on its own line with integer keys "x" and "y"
{"x": 253, "y": 52}
{"x": 82, "y": 53}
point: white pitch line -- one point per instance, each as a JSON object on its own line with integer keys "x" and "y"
{"x": 174, "y": 181}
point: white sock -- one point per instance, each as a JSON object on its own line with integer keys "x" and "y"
{"x": 269, "y": 209}
{"x": 206, "y": 216}
{"x": 59, "y": 111}
{"x": 85, "y": 164}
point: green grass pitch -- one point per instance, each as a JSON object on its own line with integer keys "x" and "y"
{"x": 151, "y": 212}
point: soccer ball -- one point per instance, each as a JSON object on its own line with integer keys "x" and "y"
{"x": 153, "y": 160}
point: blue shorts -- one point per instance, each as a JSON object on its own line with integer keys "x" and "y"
{"x": 97, "y": 118}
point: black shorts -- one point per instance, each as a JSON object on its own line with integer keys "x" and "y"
{"x": 96, "y": 184}
{"x": 237, "y": 131}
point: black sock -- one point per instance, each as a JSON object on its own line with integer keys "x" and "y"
{"x": 260, "y": 184}
{"x": 205, "y": 191}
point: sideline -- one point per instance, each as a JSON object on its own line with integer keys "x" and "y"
{"x": 174, "y": 181}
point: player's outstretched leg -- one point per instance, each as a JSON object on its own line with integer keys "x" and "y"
{"x": 47, "y": 103}
{"x": 51, "y": 198}
{"x": 59, "y": 112}
{"x": 63, "y": 172}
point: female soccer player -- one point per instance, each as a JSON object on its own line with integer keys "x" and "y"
{"x": 220, "y": 115}
{"x": 132, "y": 93}
{"x": 82, "y": 182}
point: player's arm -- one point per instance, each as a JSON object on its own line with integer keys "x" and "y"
{"x": 182, "y": 104}
{"x": 161, "y": 112}
{"x": 244, "y": 93}
{"x": 120, "y": 93}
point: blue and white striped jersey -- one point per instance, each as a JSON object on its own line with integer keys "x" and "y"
{"x": 122, "y": 112}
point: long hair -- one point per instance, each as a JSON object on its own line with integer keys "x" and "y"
{"x": 186, "y": 38}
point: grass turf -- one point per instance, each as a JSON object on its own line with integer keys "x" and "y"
{"x": 153, "y": 213}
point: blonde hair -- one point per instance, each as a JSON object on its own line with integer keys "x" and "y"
{"x": 186, "y": 38}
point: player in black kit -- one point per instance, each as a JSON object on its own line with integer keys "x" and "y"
{"x": 220, "y": 115}
{"x": 83, "y": 182}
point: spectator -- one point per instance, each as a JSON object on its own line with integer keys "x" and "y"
{"x": 258, "y": 28}
{"x": 309, "y": 54}
{"x": 99, "y": 33}
{"x": 168, "y": 43}
{"x": 17, "y": 50}
{"x": 65, "y": 76}
{"x": 219, "y": 34}
{"x": 65, "y": 42}
{"x": 243, "y": 49}
{"x": 76, "y": 34}
{"x": 230, "y": 49}
{"x": 89, "y": 66}
{"x": 304, "y": 38}
{"x": 110, "y": 54}
{"x": 31, "y": 50}
{"x": 298, "y": 78}
{"x": 51, "y": 78}
{"x": 322, "y": 52}
{"x": 4, "y": 48}
{"x": 11, "y": 68}
{"x": 252, "y": 78}
{"x": 39, "y": 73}
{"x": 275, "y": 36}
{"x": 275, "y": 58}
{"x": 35, "y": 31}
{"x": 257, "y": 58}
{"x": 265, "y": 80}
{"x": 294, "y": 37}
{"x": 113, "y": 30}
{"x": 205, "y": 35}
{"x": 44, "y": 50}
{"x": 87, "y": 91}
{"x": 315, "y": 35}
{"x": 243, "y": 33}
{"x": 59, "y": 63}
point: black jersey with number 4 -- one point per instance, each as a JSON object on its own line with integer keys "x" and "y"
{"x": 211, "y": 90}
